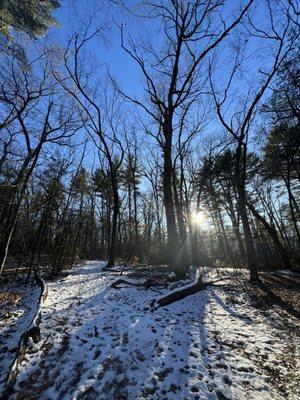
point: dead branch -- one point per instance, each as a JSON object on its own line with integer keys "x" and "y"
{"x": 182, "y": 292}
{"x": 146, "y": 284}
{"x": 32, "y": 333}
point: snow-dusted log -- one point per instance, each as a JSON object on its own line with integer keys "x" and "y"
{"x": 32, "y": 332}
{"x": 129, "y": 282}
{"x": 146, "y": 284}
{"x": 181, "y": 292}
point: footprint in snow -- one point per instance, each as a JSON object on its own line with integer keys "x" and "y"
{"x": 139, "y": 355}
{"x": 194, "y": 389}
{"x": 96, "y": 354}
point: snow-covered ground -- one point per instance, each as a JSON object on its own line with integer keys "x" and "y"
{"x": 18, "y": 305}
{"x": 105, "y": 344}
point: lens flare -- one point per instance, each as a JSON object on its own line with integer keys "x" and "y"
{"x": 198, "y": 218}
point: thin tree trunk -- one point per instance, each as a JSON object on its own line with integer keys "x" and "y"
{"x": 14, "y": 212}
{"x": 239, "y": 177}
{"x": 272, "y": 232}
{"x": 172, "y": 250}
{"x": 116, "y": 200}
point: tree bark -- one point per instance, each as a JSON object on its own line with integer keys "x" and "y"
{"x": 239, "y": 176}
{"x": 272, "y": 232}
{"x": 172, "y": 248}
{"x": 116, "y": 205}
{"x": 183, "y": 292}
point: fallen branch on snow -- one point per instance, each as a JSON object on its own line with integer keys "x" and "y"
{"x": 32, "y": 332}
{"x": 184, "y": 291}
{"x": 146, "y": 284}
{"x": 181, "y": 293}
{"x": 175, "y": 295}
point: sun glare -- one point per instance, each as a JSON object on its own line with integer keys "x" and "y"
{"x": 198, "y": 218}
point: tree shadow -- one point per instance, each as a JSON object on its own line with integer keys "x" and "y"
{"x": 116, "y": 349}
{"x": 274, "y": 299}
{"x": 217, "y": 380}
{"x": 230, "y": 309}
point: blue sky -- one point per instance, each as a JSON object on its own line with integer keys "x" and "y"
{"x": 110, "y": 54}
{"x": 109, "y": 51}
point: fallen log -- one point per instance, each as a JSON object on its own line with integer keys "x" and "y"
{"x": 175, "y": 295}
{"x": 146, "y": 284}
{"x": 33, "y": 333}
{"x": 182, "y": 292}
{"x": 129, "y": 282}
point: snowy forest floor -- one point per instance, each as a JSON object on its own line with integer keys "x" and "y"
{"x": 231, "y": 341}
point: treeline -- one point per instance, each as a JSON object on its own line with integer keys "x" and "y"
{"x": 200, "y": 170}
{"x": 67, "y": 215}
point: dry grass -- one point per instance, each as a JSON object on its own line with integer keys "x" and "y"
{"x": 9, "y": 298}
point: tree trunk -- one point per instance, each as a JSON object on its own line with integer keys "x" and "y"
{"x": 292, "y": 204}
{"x": 236, "y": 228}
{"x": 116, "y": 200}
{"x": 14, "y": 210}
{"x": 239, "y": 176}
{"x": 135, "y": 213}
{"x": 172, "y": 248}
{"x": 272, "y": 232}
{"x": 183, "y": 253}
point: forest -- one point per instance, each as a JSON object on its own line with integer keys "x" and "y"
{"x": 149, "y": 199}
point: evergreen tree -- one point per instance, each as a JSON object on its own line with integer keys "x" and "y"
{"x": 284, "y": 104}
{"x": 33, "y": 17}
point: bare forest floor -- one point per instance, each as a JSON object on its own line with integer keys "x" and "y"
{"x": 231, "y": 341}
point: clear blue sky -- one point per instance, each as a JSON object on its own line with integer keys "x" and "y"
{"x": 109, "y": 51}
{"x": 120, "y": 63}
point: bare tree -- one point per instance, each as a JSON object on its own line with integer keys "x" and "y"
{"x": 279, "y": 37}
{"x": 172, "y": 74}
{"x": 39, "y": 115}
{"x": 100, "y": 115}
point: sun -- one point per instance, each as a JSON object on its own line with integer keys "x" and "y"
{"x": 198, "y": 218}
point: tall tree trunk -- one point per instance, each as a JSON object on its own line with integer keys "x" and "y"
{"x": 135, "y": 213}
{"x": 183, "y": 253}
{"x": 224, "y": 234}
{"x": 293, "y": 205}
{"x": 235, "y": 225}
{"x": 172, "y": 249}
{"x": 116, "y": 205}
{"x": 240, "y": 177}
{"x": 130, "y": 231}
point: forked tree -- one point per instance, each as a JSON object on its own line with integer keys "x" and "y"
{"x": 172, "y": 68}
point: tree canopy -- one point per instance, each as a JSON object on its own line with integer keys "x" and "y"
{"x": 34, "y": 17}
